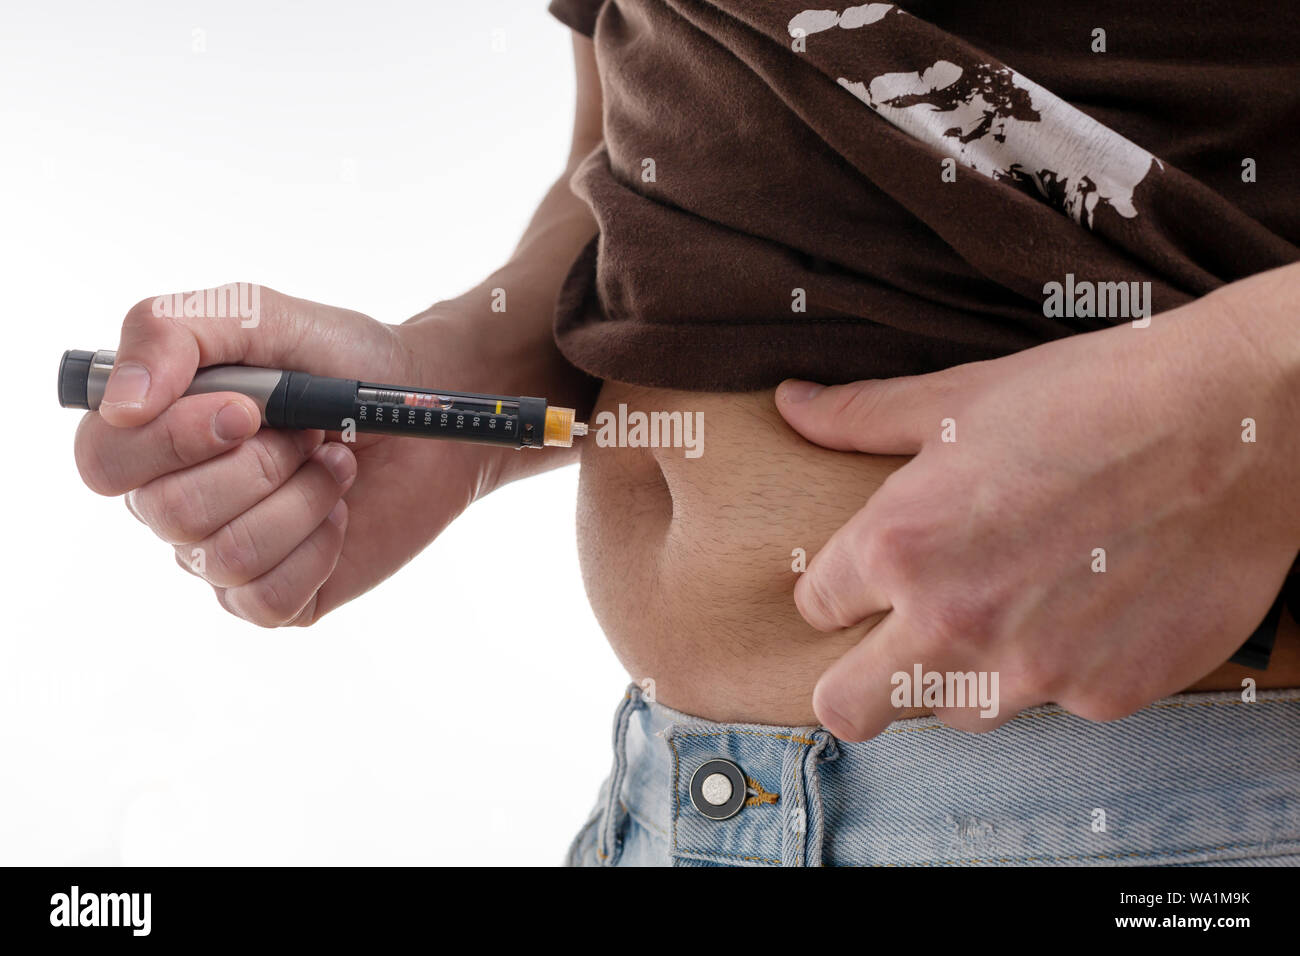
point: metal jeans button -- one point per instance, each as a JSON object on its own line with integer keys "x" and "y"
{"x": 718, "y": 789}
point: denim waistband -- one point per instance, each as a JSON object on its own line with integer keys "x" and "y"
{"x": 1195, "y": 779}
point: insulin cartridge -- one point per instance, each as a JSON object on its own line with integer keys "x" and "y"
{"x": 299, "y": 400}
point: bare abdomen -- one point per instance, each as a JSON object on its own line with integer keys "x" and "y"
{"x": 688, "y": 561}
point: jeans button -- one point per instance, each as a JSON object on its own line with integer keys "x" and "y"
{"x": 718, "y": 789}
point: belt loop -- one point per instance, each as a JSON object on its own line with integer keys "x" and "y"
{"x": 613, "y": 817}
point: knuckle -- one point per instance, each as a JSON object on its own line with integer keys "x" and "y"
{"x": 931, "y": 642}
{"x": 870, "y": 546}
{"x": 268, "y": 471}
{"x": 100, "y": 470}
{"x": 176, "y": 511}
{"x": 324, "y": 544}
{"x": 859, "y": 401}
{"x": 1039, "y": 678}
{"x": 895, "y": 541}
{"x": 266, "y": 603}
{"x": 171, "y": 447}
{"x": 969, "y": 618}
{"x": 311, "y": 494}
{"x": 234, "y": 554}
{"x": 819, "y": 601}
{"x": 141, "y": 321}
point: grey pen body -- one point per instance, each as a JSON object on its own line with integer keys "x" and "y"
{"x": 289, "y": 399}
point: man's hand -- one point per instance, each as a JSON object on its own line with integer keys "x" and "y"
{"x": 1090, "y": 519}
{"x": 285, "y": 525}
{"x": 288, "y": 525}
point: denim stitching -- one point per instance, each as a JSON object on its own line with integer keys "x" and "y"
{"x": 1091, "y": 856}
{"x": 754, "y": 733}
{"x": 643, "y": 821}
{"x": 575, "y": 854}
{"x": 607, "y": 837}
{"x": 1066, "y": 713}
{"x": 697, "y": 855}
{"x": 677, "y": 808}
{"x": 760, "y": 795}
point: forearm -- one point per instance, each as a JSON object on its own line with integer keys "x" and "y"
{"x": 1247, "y": 334}
{"x": 1264, "y": 311}
{"x": 510, "y": 349}
{"x": 504, "y": 324}
{"x": 500, "y": 331}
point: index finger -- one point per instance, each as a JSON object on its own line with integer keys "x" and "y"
{"x": 165, "y": 340}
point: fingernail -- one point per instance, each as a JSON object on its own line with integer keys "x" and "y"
{"x": 794, "y": 391}
{"x": 338, "y": 462}
{"x": 128, "y": 385}
{"x": 338, "y": 513}
{"x": 233, "y": 421}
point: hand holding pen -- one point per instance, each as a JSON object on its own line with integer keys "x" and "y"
{"x": 259, "y": 512}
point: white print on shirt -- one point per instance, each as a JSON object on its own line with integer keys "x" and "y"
{"x": 1001, "y": 124}
{"x": 815, "y": 21}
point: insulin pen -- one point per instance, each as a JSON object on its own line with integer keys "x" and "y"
{"x": 299, "y": 400}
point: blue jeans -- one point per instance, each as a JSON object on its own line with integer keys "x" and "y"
{"x": 1194, "y": 780}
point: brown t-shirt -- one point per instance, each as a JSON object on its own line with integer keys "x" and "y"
{"x": 861, "y": 192}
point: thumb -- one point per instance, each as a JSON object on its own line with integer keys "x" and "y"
{"x": 885, "y": 416}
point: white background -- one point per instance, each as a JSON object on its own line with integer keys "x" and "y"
{"x": 378, "y": 156}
